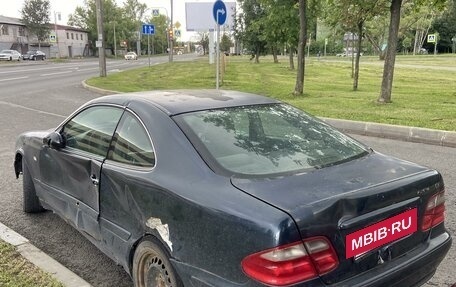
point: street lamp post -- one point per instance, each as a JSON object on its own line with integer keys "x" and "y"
{"x": 171, "y": 44}
{"x": 115, "y": 42}
{"x": 55, "y": 31}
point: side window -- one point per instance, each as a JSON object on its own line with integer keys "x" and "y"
{"x": 131, "y": 143}
{"x": 91, "y": 130}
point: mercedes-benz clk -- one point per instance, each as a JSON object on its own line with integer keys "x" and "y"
{"x": 223, "y": 188}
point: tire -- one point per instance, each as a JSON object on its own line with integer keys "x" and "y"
{"x": 31, "y": 203}
{"x": 151, "y": 266}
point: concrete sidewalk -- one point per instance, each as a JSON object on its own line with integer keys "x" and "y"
{"x": 41, "y": 259}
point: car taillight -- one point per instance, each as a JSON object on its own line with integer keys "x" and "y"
{"x": 292, "y": 263}
{"x": 435, "y": 211}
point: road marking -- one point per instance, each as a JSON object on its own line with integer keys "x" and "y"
{"x": 31, "y": 109}
{"x": 12, "y": 79}
{"x": 57, "y": 73}
{"x": 91, "y": 69}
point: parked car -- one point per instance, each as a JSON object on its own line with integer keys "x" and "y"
{"x": 34, "y": 55}
{"x": 345, "y": 54}
{"x": 223, "y": 188}
{"x": 131, "y": 56}
{"x": 10, "y": 55}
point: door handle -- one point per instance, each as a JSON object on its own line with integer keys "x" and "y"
{"x": 94, "y": 179}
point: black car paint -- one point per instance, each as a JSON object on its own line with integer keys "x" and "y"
{"x": 206, "y": 212}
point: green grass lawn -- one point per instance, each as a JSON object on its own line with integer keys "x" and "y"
{"x": 421, "y": 97}
{"x": 15, "y": 271}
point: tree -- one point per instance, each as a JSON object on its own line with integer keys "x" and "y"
{"x": 135, "y": 11}
{"x": 351, "y": 16}
{"x": 299, "y": 87}
{"x": 35, "y": 15}
{"x": 446, "y": 27}
{"x": 253, "y": 27}
{"x": 388, "y": 69}
{"x": 114, "y": 18}
{"x": 204, "y": 42}
{"x": 282, "y": 21}
{"x": 160, "y": 39}
{"x": 225, "y": 43}
{"x": 390, "y": 59}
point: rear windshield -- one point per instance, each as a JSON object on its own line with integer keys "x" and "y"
{"x": 266, "y": 139}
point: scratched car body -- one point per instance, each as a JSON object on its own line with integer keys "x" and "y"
{"x": 218, "y": 188}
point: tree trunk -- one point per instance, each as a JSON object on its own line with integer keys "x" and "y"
{"x": 274, "y": 54}
{"x": 358, "y": 55}
{"x": 415, "y": 46}
{"x": 257, "y": 56}
{"x": 299, "y": 88}
{"x": 388, "y": 69}
{"x": 290, "y": 55}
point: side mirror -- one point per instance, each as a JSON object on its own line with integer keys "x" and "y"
{"x": 54, "y": 140}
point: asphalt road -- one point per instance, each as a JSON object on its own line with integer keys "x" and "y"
{"x": 41, "y": 95}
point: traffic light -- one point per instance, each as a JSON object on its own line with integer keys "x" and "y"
{"x": 170, "y": 34}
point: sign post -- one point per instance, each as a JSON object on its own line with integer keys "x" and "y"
{"x": 219, "y": 12}
{"x": 432, "y": 38}
{"x": 148, "y": 29}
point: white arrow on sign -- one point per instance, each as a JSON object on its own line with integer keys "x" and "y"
{"x": 221, "y": 11}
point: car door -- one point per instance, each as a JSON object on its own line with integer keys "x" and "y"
{"x": 126, "y": 185}
{"x": 70, "y": 175}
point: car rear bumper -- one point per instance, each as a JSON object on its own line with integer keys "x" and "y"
{"x": 413, "y": 269}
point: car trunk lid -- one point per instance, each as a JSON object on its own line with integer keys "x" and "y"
{"x": 340, "y": 200}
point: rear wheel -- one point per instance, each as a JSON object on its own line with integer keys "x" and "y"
{"x": 31, "y": 202}
{"x": 152, "y": 268}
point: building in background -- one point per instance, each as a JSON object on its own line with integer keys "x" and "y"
{"x": 71, "y": 42}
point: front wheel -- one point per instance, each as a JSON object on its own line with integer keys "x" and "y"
{"x": 152, "y": 268}
{"x": 31, "y": 202}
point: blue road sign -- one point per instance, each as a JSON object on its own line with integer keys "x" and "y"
{"x": 219, "y": 12}
{"x": 148, "y": 29}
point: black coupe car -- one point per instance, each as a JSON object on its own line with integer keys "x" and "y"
{"x": 222, "y": 188}
{"x": 34, "y": 55}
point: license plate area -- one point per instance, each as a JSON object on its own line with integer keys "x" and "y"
{"x": 391, "y": 229}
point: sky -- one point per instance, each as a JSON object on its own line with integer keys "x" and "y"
{"x": 11, "y": 8}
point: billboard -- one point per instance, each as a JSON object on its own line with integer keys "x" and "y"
{"x": 199, "y": 16}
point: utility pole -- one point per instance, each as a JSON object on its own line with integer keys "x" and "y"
{"x": 101, "y": 49}
{"x": 171, "y": 44}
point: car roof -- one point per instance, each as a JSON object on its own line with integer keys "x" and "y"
{"x": 175, "y": 102}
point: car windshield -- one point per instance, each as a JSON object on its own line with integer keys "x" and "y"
{"x": 266, "y": 140}
{"x": 130, "y": 53}
{"x": 6, "y": 52}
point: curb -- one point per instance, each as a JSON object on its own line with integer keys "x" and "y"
{"x": 41, "y": 259}
{"x": 98, "y": 90}
{"x": 404, "y": 133}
